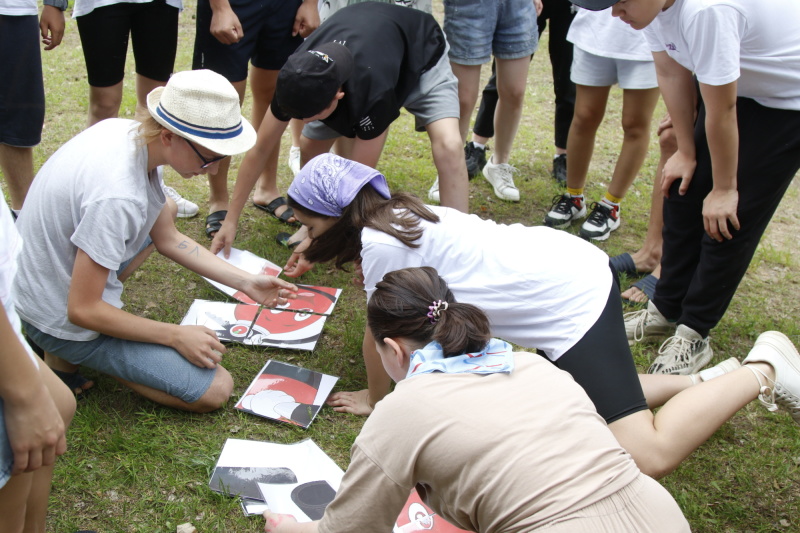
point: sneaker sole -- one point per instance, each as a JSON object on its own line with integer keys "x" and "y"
{"x": 561, "y": 224}
{"x": 187, "y": 215}
{"x": 601, "y": 237}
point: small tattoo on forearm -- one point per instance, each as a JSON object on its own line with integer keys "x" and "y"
{"x": 185, "y": 245}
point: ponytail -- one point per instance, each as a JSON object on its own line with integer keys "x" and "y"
{"x": 416, "y": 304}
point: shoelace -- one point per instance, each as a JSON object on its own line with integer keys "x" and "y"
{"x": 172, "y": 193}
{"x": 562, "y": 204}
{"x": 767, "y": 395}
{"x": 685, "y": 347}
{"x": 506, "y": 172}
{"x": 640, "y": 318}
{"x": 600, "y": 214}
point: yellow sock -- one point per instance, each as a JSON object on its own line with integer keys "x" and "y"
{"x": 610, "y": 198}
{"x": 575, "y": 192}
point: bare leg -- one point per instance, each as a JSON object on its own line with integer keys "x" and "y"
{"x": 215, "y": 397}
{"x": 590, "y": 108}
{"x": 648, "y": 257}
{"x": 17, "y": 165}
{"x": 448, "y": 156}
{"x": 469, "y": 78}
{"x": 143, "y": 87}
{"x": 512, "y": 77}
{"x": 369, "y": 152}
{"x": 104, "y": 103}
{"x": 23, "y": 500}
{"x": 658, "y": 443}
{"x": 296, "y": 127}
{"x": 637, "y": 113}
{"x": 218, "y": 183}
{"x": 262, "y": 85}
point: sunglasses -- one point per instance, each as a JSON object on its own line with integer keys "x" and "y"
{"x": 206, "y": 162}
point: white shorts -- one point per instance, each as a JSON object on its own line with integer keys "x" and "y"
{"x": 597, "y": 71}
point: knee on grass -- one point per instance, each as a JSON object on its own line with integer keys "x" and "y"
{"x": 217, "y": 394}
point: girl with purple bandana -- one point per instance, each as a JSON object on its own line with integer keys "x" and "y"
{"x": 567, "y": 306}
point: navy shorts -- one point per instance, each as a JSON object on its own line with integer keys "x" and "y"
{"x": 22, "y": 89}
{"x": 267, "y": 41}
{"x": 153, "y": 30}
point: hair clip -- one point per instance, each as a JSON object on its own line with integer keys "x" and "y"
{"x": 435, "y": 311}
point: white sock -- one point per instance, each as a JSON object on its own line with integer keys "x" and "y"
{"x": 479, "y": 145}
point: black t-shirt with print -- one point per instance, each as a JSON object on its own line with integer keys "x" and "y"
{"x": 391, "y": 46}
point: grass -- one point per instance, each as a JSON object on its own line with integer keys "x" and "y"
{"x": 135, "y": 466}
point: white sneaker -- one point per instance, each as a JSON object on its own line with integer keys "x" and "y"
{"x": 564, "y": 210}
{"x": 775, "y": 349}
{"x": 433, "y": 192}
{"x": 720, "y": 369}
{"x": 294, "y": 159}
{"x": 186, "y": 209}
{"x": 502, "y": 179}
{"x": 646, "y": 324}
{"x": 684, "y": 353}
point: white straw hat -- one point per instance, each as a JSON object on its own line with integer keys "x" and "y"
{"x": 203, "y": 107}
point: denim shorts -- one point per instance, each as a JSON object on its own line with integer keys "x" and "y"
{"x": 153, "y": 365}
{"x": 597, "y": 71}
{"x": 435, "y": 97}
{"x": 478, "y": 29}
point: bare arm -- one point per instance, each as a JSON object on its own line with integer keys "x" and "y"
{"x": 307, "y": 19}
{"x": 225, "y": 25}
{"x": 722, "y": 131}
{"x": 51, "y": 26}
{"x": 269, "y": 135}
{"x": 186, "y": 252}
{"x": 677, "y": 88}
{"x": 34, "y": 425}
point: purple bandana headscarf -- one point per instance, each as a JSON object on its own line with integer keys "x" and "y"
{"x": 328, "y": 183}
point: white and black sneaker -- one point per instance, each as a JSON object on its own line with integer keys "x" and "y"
{"x": 684, "y": 353}
{"x": 601, "y": 222}
{"x": 475, "y": 158}
{"x": 565, "y": 209}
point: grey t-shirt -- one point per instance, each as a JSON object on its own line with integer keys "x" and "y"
{"x": 96, "y": 194}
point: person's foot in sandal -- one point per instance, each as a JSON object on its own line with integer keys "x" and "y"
{"x": 214, "y": 222}
{"x": 68, "y": 373}
{"x": 643, "y": 290}
{"x": 285, "y": 215}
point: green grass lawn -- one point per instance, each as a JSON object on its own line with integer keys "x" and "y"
{"x": 135, "y": 466}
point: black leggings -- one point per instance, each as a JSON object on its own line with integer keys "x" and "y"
{"x": 602, "y": 363}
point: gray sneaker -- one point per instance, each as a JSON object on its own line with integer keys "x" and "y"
{"x": 684, "y": 353}
{"x": 502, "y": 179}
{"x": 647, "y": 324}
{"x": 777, "y": 350}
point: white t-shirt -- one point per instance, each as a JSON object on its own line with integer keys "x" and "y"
{"x": 721, "y": 41}
{"x": 9, "y": 251}
{"x": 540, "y": 287}
{"x": 96, "y": 194}
{"x": 82, "y": 7}
{"x": 16, "y": 8}
{"x": 598, "y": 33}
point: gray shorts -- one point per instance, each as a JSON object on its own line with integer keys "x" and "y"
{"x": 153, "y": 365}
{"x": 435, "y": 97}
{"x": 596, "y": 71}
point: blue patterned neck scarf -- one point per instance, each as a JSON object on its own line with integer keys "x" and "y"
{"x": 497, "y": 356}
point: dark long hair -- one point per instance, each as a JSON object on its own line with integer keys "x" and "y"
{"x": 342, "y": 242}
{"x": 399, "y": 309}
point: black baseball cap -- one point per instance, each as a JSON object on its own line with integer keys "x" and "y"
{"x": 309, "y": 79}
{"x": 594, "y": 5}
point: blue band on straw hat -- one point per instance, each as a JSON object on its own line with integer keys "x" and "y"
{"x": 192, "y": 129}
